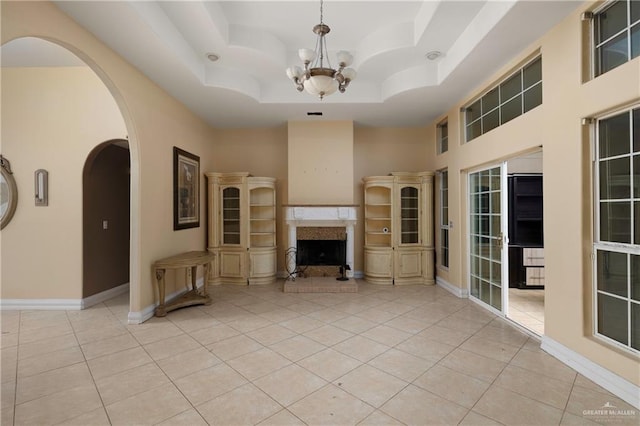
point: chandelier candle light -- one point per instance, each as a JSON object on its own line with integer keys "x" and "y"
{"x": 316, "y": 78}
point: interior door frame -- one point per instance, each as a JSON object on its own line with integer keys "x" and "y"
{"x": 504, "y": 258}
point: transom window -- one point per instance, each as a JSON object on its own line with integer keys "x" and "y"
{"x": 443, "y": 137}
{"x": 444, "y": 218}
{"x": 517, "y": 94}
{"x": 617, "y": 245}
{"x": 616, "y": 34}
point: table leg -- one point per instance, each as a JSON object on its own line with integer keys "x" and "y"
{"x": 205, "y": 292}
{"x": 194, "y": 274}
{"x": 160, "y": 309}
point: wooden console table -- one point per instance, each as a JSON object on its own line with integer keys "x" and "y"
{"x": 192, "y": 260}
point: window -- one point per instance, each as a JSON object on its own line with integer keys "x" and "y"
{"x": 617, "y": 237}
{"x": 616, "y": 34}
{"x": 517, "y": 94}
{"x": 443, "y": 137}
{"x": 444, "y": 218}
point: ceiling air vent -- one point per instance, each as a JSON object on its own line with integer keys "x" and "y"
{"x": 314, "y": 113}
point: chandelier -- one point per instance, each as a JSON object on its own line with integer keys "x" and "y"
{"x": 317, "y": 78}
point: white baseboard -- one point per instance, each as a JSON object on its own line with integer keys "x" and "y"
{"x": 41, "y": 304}
{"x": 138, "y": 317}
{"x": 105, "y": 295}
{"x": 456, "y": 291}
{"x": 61, "y": 304}
{"x": 615, "y": 384}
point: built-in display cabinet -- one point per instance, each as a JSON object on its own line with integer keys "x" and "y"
{"x": 398, "y": 228}
{"x": 526, "y": 242}
{"x": 242, "y": 228}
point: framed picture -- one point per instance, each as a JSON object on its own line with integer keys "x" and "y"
{"x": 186, "y": 189}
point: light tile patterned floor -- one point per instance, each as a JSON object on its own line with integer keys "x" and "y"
{"x": 410, "y": 355}
{"x": 526, "y": 307}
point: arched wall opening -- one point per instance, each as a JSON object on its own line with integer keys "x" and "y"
{"x": 106, "y": 221}
{"x": 58, "y": 108}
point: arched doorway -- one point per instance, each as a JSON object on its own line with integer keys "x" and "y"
{"x": 47, "y": 130}
{"x": 106, "y": 222}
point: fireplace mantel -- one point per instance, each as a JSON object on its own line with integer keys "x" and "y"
{"x": 321, "y": 216}
{"x": 296, "y": 215}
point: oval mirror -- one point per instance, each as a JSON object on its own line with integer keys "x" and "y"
{"x": 8, "y": 193}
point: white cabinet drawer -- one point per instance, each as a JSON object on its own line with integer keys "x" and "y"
{"x": 533, "y": 257}
{"x": 534, "y": 276}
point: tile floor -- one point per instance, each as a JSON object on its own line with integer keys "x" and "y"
{"x": 410, "y": 355}
{"x": 526, "y": 307}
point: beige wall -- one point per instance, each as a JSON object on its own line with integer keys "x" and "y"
{"x": 51, "y": 119}
{"x": 376, "y": 151}
{"x": 320, "y": 162}
{"x": 556, "y": 125}
{"x": 151, "y": 137}
{"x": 261, "y": 152}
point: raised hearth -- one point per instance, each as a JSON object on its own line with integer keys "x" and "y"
{"x": 320, "y": 285}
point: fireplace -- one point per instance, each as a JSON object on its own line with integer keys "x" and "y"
{"x": 324, "y": 229}
{"x": 321, "y": 252}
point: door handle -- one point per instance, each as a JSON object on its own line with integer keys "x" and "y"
{"x": 500, "y": 240}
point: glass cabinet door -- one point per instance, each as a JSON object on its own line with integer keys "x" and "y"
{"x": 231, "y": 215}
{"x": 409, "y": 225}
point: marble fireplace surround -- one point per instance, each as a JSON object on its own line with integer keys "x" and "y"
{"x": 320, "y": 216}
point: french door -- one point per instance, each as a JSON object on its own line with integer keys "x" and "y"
{"x": 488, "y": 237}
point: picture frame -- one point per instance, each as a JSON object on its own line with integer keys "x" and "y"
{"x": 186, "y": 189}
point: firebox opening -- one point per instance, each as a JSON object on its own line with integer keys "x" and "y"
{"x": 321, "y": 252}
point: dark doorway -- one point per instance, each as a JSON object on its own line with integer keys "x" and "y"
{"x": 106, "y": 217}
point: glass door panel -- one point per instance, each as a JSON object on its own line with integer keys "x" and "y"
{"x": 231, "y": 215}
{"x": 486, "y": 236}
{"x": 409, "y": 215}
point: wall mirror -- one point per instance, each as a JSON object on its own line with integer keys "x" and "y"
{"x": 8, "y": 193}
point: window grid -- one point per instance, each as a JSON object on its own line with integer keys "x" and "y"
{"x": 606, "y": 247}
{"x": 628, "y": 30}
{"x": 443, "y": 137}
{"x": 500, "y": 107}
{"x": 485, "y": 257}
{"x": 444, "y": 218}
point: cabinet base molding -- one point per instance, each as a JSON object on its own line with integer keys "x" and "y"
{"x": 378, "y": 280}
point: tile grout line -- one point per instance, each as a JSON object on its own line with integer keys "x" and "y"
{"x": 86, "y": 362}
